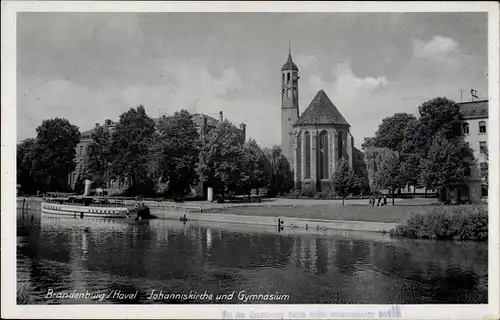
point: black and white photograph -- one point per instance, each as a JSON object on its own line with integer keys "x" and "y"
{"x": 261, "y": 163}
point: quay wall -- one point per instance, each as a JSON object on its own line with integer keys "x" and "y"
{"x": 173, "y": 211}
{"x": 284, "y": 222}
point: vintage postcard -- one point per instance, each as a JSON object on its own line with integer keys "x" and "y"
{"x": 250, "y": 160}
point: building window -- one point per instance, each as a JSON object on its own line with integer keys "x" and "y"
{"x": 299, "y": 153}
{"x": 465, "y": 128}
{"x": 339, "y": 145}
{"x": 323, "y": 155}
{"x": 288, "y": 77}
{"x": 81, "y": 149}
{"x": 283, "y": 92}
{"x": 482, "y": 147}
{"x": 289, "y": 93}
{"x": 307, "y": 137}
{"x": 482, "y": 127}
{"x": 283, "y": 78}
{"x": 484, "y": 190}
{"x": 467, "y": 172}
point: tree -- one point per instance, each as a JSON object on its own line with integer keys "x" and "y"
{"x": 436, "y": 115}
{"x": 99, "y": 157}
{"x": 484, "y": 168}
{"x": 374, "y": 157}
{"x": 178, "y": 153}
{"x": 389, "y": 175}
{"x": 359, "y": 166}
{"x": 79, "y": 187}
{"x": 410, "y": 169}
{"x": 25, "y": 161}
{"x": 281, "y": 177}
{"x": 344, "y": 179}
{"x": 55, "y": 153}
{"x": 131, "y": 151}
{"x": 446, "y": 164}
{"x": 257, "y": 166}
{"x": 391, "y": 132}
{"x": 221, "y": 159}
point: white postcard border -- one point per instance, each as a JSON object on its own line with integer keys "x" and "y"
{"x": 8, "y": 133}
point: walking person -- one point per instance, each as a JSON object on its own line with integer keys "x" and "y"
{"x": 385, "y": 200}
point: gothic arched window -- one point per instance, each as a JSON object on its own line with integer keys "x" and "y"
{"x": 307, "y": 138}
{"x": 323, "y": 155}
{"x": 465, "y": 128}
{"x": 299, "y": 153}
{"x": 339, "y": 145}
{"x": 482, "y": 127}
{"x": 288, "y": 77}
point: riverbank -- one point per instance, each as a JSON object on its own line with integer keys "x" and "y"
{"x": 291, "y": 213}
{"x": 280, "y": 222}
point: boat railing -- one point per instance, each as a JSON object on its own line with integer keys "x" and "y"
{"x": 112, "y": 204}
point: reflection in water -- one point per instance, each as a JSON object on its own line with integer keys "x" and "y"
{"x": 65, "y": 254}
{"x": 209, "y": 238}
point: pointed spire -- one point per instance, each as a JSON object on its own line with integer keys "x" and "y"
{"x": 289, "y": 65}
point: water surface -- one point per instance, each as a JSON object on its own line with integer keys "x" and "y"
{"x": 99, "y": 256}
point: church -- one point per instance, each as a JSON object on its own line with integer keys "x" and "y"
{"x": 313, "y": 142}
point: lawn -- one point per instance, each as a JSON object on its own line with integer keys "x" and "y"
{"x": 391, "y": 214}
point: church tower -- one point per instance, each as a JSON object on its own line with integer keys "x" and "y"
{"x": 289, "y": 106}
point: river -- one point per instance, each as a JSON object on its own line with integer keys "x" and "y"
{"x": 120, "y": 259}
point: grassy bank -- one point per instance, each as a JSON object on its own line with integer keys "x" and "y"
{"x": 447, "y": 223}
{"x": 390, "y": 214}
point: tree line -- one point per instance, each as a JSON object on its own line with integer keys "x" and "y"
{"x": 425, "y": 152}
{"x": 147, "y": 159}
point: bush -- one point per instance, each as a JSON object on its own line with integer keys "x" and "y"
{"x": 294, "y": 194}
{"x": 308, "y": 191}
{"x": 442, "y": 223}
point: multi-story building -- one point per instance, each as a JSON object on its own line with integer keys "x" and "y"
{"x": 475, "y": 133}
{"x": 204, "y": 124}
{"x": 81, "y": 150}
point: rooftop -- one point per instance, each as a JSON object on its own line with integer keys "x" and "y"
{"x": 474, "y": 109}
{"x": 321, "y": 110}
{"x": 289, "y": 65}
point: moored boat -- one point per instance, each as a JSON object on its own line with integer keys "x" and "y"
{"x": 81, "y": 206}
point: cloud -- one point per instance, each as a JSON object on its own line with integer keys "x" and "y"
{"x": 307, "y": 61}
{"x": 438, "y": 49}
{"x": 346, "y": 83}
{"x": 186, "y": 87}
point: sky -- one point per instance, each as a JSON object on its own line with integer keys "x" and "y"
{"x": 87, "y": 67}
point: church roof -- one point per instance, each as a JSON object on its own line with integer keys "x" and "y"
{"x": 289, "y": 65}
{"x": 321, "y": 111}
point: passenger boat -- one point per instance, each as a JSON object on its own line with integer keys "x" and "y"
{"x": 83, "y": 206}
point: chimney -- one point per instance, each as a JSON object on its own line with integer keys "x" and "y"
{"x": 243, "y": 128}
{"x": 221, "y": 118}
